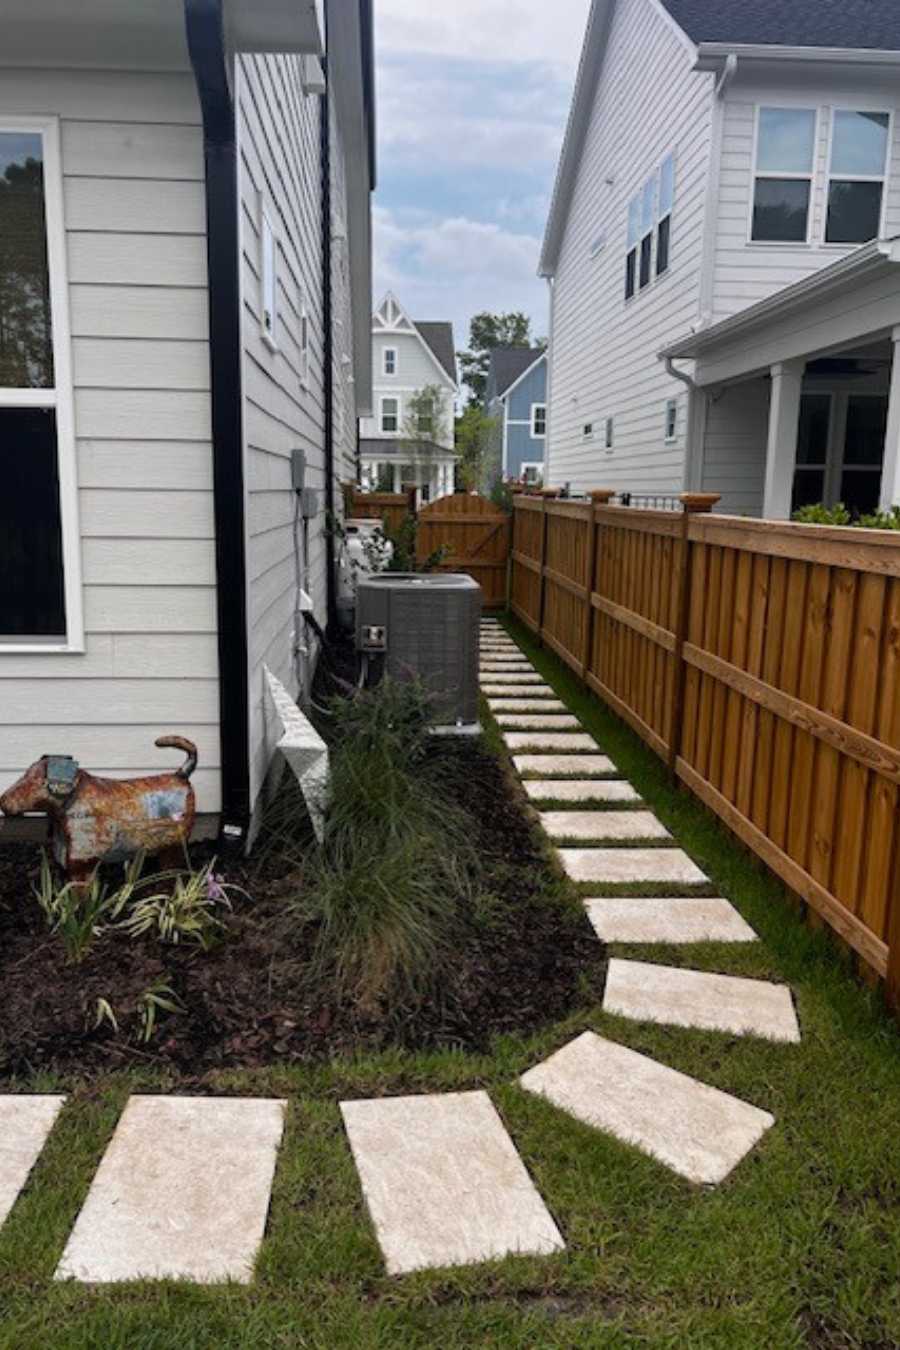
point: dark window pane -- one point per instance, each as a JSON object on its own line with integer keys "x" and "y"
{"x": 809, "y": 488}
{"x": 26, "y": 345}
{"x": 780, "y": 209}
{"x": 854, "y": 212}
{"x": 866, "y": 430}
{"x": 662, "y": 245}
{"x": 812, "y": 433}
{"x": 32, "y": 603}
{"x": 860, "y": 489}
{"x": 646, "y": 254}
{"x": 630, "y": 268}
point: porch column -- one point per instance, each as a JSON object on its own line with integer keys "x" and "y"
{"x": 781, "y": 452}
{"x": 398, "y": 486}
{"x": 890, "y": 474}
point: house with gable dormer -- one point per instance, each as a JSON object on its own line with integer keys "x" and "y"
{"x": 409, "y": 439}
{"x": 723, "y": 251}
{"x": 516, "y": 400}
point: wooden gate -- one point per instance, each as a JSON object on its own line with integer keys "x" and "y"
{"x": 476, "y": 535}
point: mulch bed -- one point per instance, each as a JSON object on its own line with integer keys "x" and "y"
{"x": 246, "y": 1002}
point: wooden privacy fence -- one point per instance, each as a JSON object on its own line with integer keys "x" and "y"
{"x": 474, "y": 533}
{"x": 761, "y": 660}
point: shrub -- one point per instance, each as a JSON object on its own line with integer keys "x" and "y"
{"x": 839, "y": 515}
{"x": 396, "y": 863}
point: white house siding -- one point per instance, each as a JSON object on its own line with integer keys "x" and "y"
{"x": 416, "y": 368}
{"x": 280, "y": 167}
{"x": 132, "y": 159}
{"x": 734, "y": 446}
{"x": 745, "y": 272}
{"x": 603, "y": 350}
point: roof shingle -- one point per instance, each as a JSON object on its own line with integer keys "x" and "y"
{"x": 439, "y": 337}
{"x": 791, "y": 23}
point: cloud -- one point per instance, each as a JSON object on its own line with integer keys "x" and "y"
{"x": 518, "y": 30}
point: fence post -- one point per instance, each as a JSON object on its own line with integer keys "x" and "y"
{"x": 692, "y": 503}
{"x": 599, "y": 497}
{"x": 547, "y": 495}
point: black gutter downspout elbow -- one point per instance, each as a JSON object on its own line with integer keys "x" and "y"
{"x": 328, "y": 346}
{"x": 204, "y": 21}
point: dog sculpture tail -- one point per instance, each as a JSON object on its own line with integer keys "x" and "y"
{"x": 180, "y": 743}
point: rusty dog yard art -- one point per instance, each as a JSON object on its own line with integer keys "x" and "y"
{"x": 107, "y": 820}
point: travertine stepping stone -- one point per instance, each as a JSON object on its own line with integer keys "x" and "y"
{"x": 525, "y": 705}
{"x": 603, "y": 825}
{"x": 549, "y": 740}
{"x": 489, "y": 667}
{"x": 580, "y": 790}
{"x": 698, "y": 1131}
{"x": 531, "y": 691}
{"x": 444, "y": 1183}
{"x": 511, "y": 677}
{"x": 540, "y": 721}
{"x": 630, "y": 864}
{"x": 25, "y": 1123}
{"x": 504, "y": 657}
{"x": 182, "y": 1192}
{"x": 550, "y": 765}
{"x": 693, "y": 998}
{"x": 677, "y": 919}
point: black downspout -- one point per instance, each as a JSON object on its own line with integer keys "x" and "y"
{"x": 206, "y": 44}
{"x": 328, "y": 346}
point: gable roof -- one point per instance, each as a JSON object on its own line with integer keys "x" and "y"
{"x": 439, "y": 337}
{"x": 507, "y": 365}
{"x": 851, "y": 24}
{"x": 707, "y": 29}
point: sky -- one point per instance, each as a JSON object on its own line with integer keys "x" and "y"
{"x": 472, "y": 101}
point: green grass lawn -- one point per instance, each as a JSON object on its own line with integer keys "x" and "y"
{"x": 799, "y": 1247}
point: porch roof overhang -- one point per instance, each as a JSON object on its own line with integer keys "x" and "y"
{"x": 407, "y": 452}
{"x": 855, "y": 298}
{"x": 147, "y": 34}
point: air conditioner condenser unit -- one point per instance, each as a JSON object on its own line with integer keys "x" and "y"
{"x": 425, "y": 625}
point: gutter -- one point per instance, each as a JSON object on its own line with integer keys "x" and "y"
{"x": 711, "y": 54}
{"x": 328, "y": 340}
{"x": 204, "y": 20}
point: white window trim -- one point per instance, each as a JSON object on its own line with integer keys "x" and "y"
{"x": 538, "y": 435}
{"x": 800, "y": 106}
{"x": 61, "y": 396}
{"x": 266, "y": 224}
{"x": 671, "y": 438}
{"x": 389, "y": 374}
{"x": 536, "y": 464}
{"x": 381, "y": 402}
{"x": 883, "y": 178}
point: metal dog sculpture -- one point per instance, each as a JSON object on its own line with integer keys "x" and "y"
{"x": 103, "y": 820}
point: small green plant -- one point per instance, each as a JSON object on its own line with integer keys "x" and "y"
{"x": 819, "y": 514}
{"x": 159, "y": 998}
{"x": 184, "y": 910}
{"x": 78, "y": 913}
{"x": 103, "y": 1012}
{"x": 882, "y": 520}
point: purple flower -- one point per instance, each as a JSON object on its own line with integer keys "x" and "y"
{"x": 215, "y": 888}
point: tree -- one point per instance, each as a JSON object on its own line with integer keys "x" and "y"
{"x": 426, "y": 415}
{"x": 478, "y": 447}
{"x": 26, "y": 347}
{"x": 486, "y": 332}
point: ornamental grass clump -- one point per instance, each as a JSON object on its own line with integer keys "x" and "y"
{"x": 397, "y": 867}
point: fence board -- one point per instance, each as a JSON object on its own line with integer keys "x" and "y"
{"x": 762, "y": 660}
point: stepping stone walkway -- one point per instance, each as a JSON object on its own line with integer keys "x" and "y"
{"x": 601, "y": 825}
{"x": 25, "y": 1123}
{"x": 525, "y": 705}
{"x": 539, "y": 721}
{"x": 680, "y": 919}
{"x": 564, "y": 765}
{"x": 693, "y": 998}
{"x": 182, "y": 1192}
{"x": 444, "y": 1183}
{"x": 549, "y": 740}
{"x": 498, "y": 677}
{"x": 698, "y": 1131}
{"x": 580, "y": 790}
{"x": 651, "y": 865}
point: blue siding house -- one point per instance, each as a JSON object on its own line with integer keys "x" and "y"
{"x": 516, "y": 398}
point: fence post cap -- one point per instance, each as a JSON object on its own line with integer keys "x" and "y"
{"x": 549, "y": 492}
{"x": 601, "y": 495}
{"x": 699, "y": 501}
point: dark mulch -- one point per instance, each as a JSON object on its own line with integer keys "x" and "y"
{"x": 525, "y": 958}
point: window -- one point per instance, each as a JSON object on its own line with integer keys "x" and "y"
{"x": 40, "y": 601}
{"x": 425, "y": 418}
{"x": 671, "y": 420}
{"x": 269, "y": 279}
{"x": 538, "y": 419}
{"x": 863, "y": 451}
{"x": 390, "y": 415}
{"x": 858, "y": 162}
{"x": 634, "y": 234}
{"x": 587, "y": 431}
{"x": 532, "y": 474}
{"x": 384, "y": 477}
{"x": 648, "y": 221}
{"x": 608, "y": 434}
{"x": 390, "y": 360}
{"x": 785, "y": 147}
{"x": 664, "y": 214}
{"x": 813, "y": 435}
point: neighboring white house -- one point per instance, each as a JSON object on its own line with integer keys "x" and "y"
{"x": 183, "y": 306}
{"x": 723, "y": 317}
{"x": 409, "y": 439}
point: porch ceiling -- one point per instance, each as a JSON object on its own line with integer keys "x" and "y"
{"x": 144, "y": 34}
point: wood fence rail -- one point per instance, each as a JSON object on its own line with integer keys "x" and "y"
{"x": 761, "y": 661}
